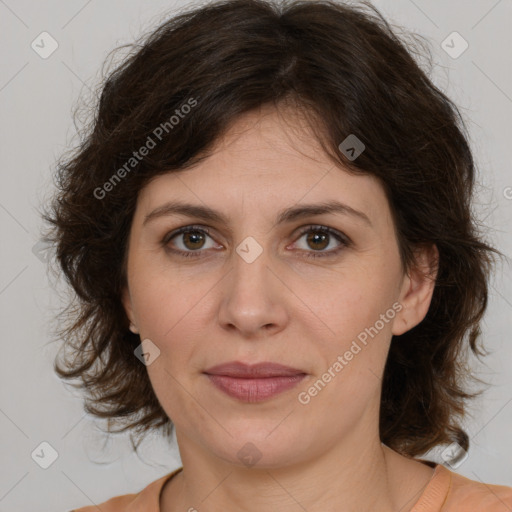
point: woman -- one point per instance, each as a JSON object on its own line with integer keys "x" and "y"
{"x": 269, "y": 230}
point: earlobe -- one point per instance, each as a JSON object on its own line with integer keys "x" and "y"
{"x": 417, "y": 290}
{"x": 127, "y": 304}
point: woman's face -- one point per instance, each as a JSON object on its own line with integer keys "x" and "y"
{"x": 251, "y": 291}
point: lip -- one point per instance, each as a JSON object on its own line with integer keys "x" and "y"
{"x": 255, "y": 382}
{"x": 253, "y": 371}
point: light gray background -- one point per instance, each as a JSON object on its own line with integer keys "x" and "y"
{"x": 36, "y": 101}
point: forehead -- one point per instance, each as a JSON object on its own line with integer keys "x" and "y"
{"x": 266, "y": 161}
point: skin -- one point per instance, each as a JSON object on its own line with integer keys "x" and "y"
{"x": 281, "y": 307}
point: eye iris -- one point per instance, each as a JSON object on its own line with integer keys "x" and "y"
{"x": 195, "y": 236}
{"x": 195, "y": 239}
{"x": 316, "y": 237}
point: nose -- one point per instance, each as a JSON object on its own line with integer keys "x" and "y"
{"x": 253, "y": 298}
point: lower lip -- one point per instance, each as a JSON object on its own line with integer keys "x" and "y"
{"x": 254, "y": 390}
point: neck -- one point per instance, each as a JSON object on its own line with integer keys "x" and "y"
{"x": 372, "y": 477}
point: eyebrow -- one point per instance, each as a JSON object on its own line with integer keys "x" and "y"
{"x": 285, "y": 216}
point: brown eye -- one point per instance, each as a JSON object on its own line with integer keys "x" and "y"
{"x": 319, "y": 238}
{"x": 190, "y": 241}
{"x": 193, "y": 239}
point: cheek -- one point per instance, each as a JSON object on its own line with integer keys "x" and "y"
{"x": 162, "y": 297}
{"x": 346, "y": 303}
{"x": 353, "y": 358}
{"x": 165, "y": 314}
{"x": 169, "y": 307}
{"x": 357, "y": 316}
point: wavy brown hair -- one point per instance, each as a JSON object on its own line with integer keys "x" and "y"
{"x": 348, "y": 72}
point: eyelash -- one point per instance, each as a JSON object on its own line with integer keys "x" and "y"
{"x": 343, "y": 239}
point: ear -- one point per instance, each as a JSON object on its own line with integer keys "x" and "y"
{"x": 128, "y": 307}
{"x": 417, "y": 289}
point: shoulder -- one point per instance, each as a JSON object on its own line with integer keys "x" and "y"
{"x": 115, "y": 504}
{"x": 477, "y": 496}
{"x": 146, "y": 500}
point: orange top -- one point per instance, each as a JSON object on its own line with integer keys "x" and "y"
{"x": 446, "y": 492}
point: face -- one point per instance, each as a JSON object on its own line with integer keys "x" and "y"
{"x": 321, "y": 293}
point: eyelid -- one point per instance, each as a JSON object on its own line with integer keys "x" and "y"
{"x": 326, "y": 229}
{"x": 344, "y": 240}
{"x": 183, "y": 229}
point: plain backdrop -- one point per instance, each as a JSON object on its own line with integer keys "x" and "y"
{"x": 37, "y": 97}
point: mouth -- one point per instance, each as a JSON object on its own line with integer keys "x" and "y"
{"x": 254, "y": 383}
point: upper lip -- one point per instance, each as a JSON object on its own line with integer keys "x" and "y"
{"x": 259, "y": 370}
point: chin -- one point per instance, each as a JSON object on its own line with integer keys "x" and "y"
{"x": 259, "y": 445}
